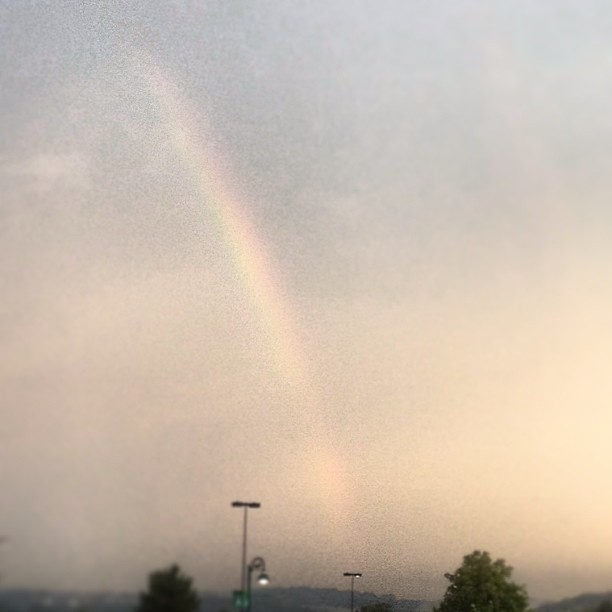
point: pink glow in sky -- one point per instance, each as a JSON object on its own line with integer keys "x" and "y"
{"x": 352, "y": 263}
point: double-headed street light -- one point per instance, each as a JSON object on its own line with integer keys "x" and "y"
{"x": 353, "y": 575}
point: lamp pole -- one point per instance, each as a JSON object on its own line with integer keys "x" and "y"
{"x": 3, "y": 540}
{"x": 257, "y": 563}
{"x": 246, "y": 506}
{"x": 353, "y": 575}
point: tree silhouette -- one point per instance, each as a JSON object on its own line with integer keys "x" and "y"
{"x": 169, "y": 591}
{"x": 483, "y": 585}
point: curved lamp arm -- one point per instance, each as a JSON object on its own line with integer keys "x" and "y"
{"x": 257, "y": 563}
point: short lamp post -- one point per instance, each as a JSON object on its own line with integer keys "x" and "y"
{"x": 3, "y": 540}
{"x": 353, "y": 575}
{"x": 257, "y": 564}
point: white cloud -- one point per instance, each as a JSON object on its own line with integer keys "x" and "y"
{"x": 46, "y": 172}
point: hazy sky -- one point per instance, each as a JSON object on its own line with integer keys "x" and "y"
{"x": 350, "y": 259}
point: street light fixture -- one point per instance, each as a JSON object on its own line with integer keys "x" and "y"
{"x": 246, "y": 506}
{"x": 259, "y": 564}
{"x": 353, "y": 575}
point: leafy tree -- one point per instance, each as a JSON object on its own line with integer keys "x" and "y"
{"x": 378, "y": 607}
{"x": 483, "y": 585}
{"x": 169, "y": 591}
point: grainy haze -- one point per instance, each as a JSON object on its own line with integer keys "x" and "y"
{"x": 349, "y": 259}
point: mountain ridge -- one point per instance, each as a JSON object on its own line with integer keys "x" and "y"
{"x": 276, "y": 599}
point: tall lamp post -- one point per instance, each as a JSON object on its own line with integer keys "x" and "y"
{"x": 353, "y": 575}
{"x": 246, "y": 506}
{"x": 257, "y": 563}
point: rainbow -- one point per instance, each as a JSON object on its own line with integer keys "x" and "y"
{"x": 247, "y": 251}
{"x": 323, "y": 467}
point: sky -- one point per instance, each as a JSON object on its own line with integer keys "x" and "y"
{"x": 347, "y": 259}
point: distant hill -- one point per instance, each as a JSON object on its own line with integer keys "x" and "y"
{"x": 29, "y": 600}
{"x": 306, "y": 599}
{"x": 581, "y": 603}
{"x": 295, "y": 599}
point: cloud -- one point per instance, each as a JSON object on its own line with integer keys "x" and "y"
{"x": 47, "y": 172}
